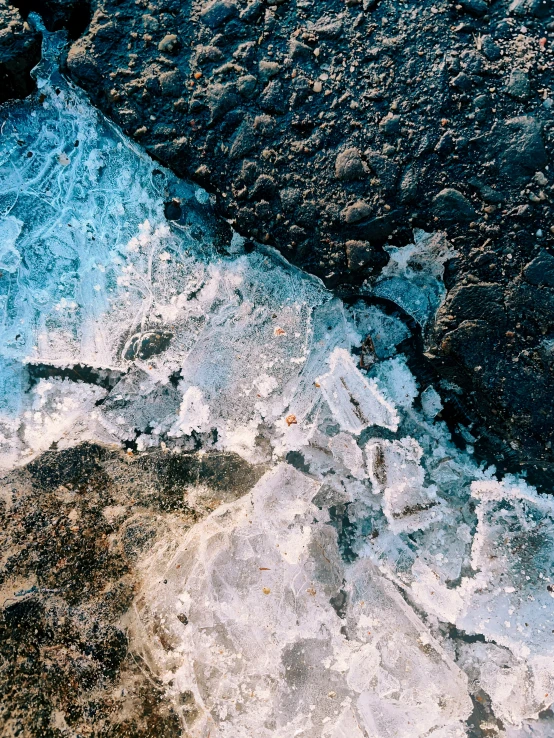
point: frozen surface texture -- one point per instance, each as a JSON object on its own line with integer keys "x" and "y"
{"x": 375, "y": 582}
{"x": 268, "y": 654}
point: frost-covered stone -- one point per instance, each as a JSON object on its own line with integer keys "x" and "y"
{"x": 395, "y": 471}
{"x": 510, "y": 599}
{"x": 397, "y": 380}
{"x": 517, "y": 690}
{"x": 413, "y": 277}
{"x": 347, "y": 452}
{"x": 431, "y": 402}
{"x": 354, "y": 401}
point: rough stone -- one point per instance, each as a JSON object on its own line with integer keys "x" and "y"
{"x": 218, "y": 12}
{"x": 476, "y": 7}
{"x": 19, "y": 52}
{"x": 540, "y": 271}
{"x": 359, "y": 254}
{"x": 450, "y": 206}
{"x": 349, "y": 165}
{"x": 246, "y": 85}
{"x": 168, "y": 43}
{"x": 522, "y": 150}
{"x": 268, "y": 69}
{"x": 490, "y": 49}
{"x": 390, "y": 124}
{"x": 518, "y": 85}
{"x": 378, "y": 229}
{"x": 385, "y": 169}
{"x": 170, "y": 83}
{"x": 409, "y": 186}
{"x": 462, "y": 82}
{"x": 356, "y": 212}
{"x": 537, "y": 8}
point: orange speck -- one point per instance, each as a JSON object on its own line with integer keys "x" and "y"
{"x": 197, "y": 75}
{"x": 266, "y": 590}
{"x": 280, "y": 332}
{"x": 291, "y": 420}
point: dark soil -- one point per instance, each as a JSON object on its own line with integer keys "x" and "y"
{"x": 19, "y": 53}
{"x": 319, "y": 123}
{"x": 73, "y": 526}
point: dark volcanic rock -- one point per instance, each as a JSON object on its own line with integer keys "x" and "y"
{"x": 518, "y": 85}
{"x": 218, "y": 12}
{"x": 450, "y": 206}
{"x": 349, "y": 166}
{"x": 540, "y": 271}
{"x": 477, "y": 7}
{"x": 19, "y": 53}
{"x": 522, "y": 149}
{"x": 325, "y": 99}
{"x": 145, "y": 345}
{"x": 359, "y": 254}
{"x": 356, "y": 212}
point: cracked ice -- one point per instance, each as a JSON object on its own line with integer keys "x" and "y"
{"x": 376, "y": 588}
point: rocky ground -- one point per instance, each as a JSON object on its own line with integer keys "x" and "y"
{"x": 74, "y": 527}
{"x": 19, "y": 52}
{"x": 329, "y": 129}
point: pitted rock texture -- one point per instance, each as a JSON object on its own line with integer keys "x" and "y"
{"x": 316, "y": 124}
{"x": 320, "y": 125}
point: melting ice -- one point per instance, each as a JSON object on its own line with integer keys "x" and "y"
{"x": 385, "y": 586}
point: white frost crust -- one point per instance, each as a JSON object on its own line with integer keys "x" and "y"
{"x": 355, "y": 402}
{"x": 395, "y": 471}
{"x": 255, "y": 581}
{"x": 517, "y": 688}
{"x": 57, "y": 411}
{"x": 510, "y": 599}
{"x": 347, "y": 452}
{"x": 194, "y": 414}
{"x": 397, "y": 381}
{"x": 431, "y": 402}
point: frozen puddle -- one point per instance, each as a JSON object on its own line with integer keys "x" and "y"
{"x": 375, "y": 583}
